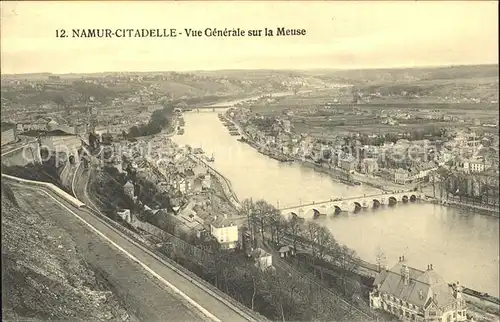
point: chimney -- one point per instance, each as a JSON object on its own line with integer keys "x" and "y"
{"x": 399, "y": 258}
{"x": 431, "y": 267}
{"x": 403, "y": 258}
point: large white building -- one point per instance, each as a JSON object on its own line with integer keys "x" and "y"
{"x": 474, "y": 165}
{"x": 415, "y": 295}
{"x": 225, "y": 232}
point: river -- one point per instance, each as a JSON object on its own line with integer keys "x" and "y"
{"x": 461, "y": 246}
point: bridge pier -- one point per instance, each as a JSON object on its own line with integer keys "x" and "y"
{"x": 352, "y": 204}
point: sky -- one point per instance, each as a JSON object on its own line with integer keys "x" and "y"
{"x": 340, "y": 35}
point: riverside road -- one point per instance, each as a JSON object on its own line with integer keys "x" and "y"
{"x": 461, "y": 246}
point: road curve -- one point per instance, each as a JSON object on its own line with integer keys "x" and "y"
{"x": 127, "y": 262}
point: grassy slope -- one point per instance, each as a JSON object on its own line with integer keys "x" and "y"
{"x": 43, "y": 276}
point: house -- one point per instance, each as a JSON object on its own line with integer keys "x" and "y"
{"x": 124, "y": 214}
{"x": 401, "y": 176}
{"x": 128, "y": 189}
{"x": 348, "y": 163}
{"x": 316, "y": 153}
{"x": 201, "y": 179}
{"x": 188, "y": 216}
{"x": 287, "y": 125}
{"x": 263, "y": 260}
{"x": 475, "y": 165}
{"x": 286, "y": 251}
{"x": 369, "y": 165}
{"x": 415, "y": 295}
{"x": 225, "y": 231}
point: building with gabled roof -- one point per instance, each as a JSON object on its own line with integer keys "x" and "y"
{"x": 225, "y": 231}
{"x": 263, "y": 260}
{"x": 415, "y": 295}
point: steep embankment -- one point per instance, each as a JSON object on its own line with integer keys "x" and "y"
{"x": 44, "y": 276}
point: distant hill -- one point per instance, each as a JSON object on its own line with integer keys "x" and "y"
{"x": 363, "y": 76}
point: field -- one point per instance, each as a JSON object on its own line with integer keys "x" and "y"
{"x": 466, "y": 95}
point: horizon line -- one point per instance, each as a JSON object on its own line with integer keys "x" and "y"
{"x": 259, "y": 69}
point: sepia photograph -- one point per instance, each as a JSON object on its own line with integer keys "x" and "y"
{"x": 250, "y": 161}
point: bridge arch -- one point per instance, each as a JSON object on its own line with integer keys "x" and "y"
{"x": 413, "y": 198}
{"x": 376, "y": 203}
{"x": 392, "y": 201}
{"x": 357, "y": 207}
{"x": 323, "y": 210}
{"x": 404, "y": 199}
{"x": 310, "y": 213}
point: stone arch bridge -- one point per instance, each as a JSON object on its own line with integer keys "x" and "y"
{"x": 352, "y": 204}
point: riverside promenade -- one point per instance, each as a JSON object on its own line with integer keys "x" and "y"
{"x": 225, "y": 183}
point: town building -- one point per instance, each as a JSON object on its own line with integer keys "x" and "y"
{"x": 415, "y": 295}
{"x": 369, "y": 166}
{"x": 348, "y": 163}
{"x": 263, "y": 260}
{"x": 9, "y": 133}
{"x": 128, "y": 189}
{"x": 287, "y": 126}
{"x": 225, "y": 231}
{"x": 124, "y": 214}
{"x": 475, "y": 165}
{"x": 286, "y": 251}
{"x": 401, "y": 176}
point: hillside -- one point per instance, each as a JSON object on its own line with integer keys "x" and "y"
{"x": 43, "y": 275}
{"x": 406, "y": 74}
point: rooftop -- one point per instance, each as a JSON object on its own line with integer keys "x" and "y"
{"x": 222, "y": 221}
{"x": 422, "y": 287}
{"x": 259, "y": 253}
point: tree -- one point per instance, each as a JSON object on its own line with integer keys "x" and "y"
{"x": 261, "y": 215}
{"x": 311, "y": 231}
{"x": 247, "y": 209}
{"x": 59, "y": 100}
{"x": 276, "y": 225}
{"x": 294, "y": 229}
{"x": 347, "y": 261}
{"x": 325, "y": 242}
{"x": 380, "y": 258}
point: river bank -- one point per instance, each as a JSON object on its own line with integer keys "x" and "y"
{"x": 357, "y": 178}
{"x": 481, "y": 210}
{"x": 335, "y": 173}
{"x": 426, "y": 233}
